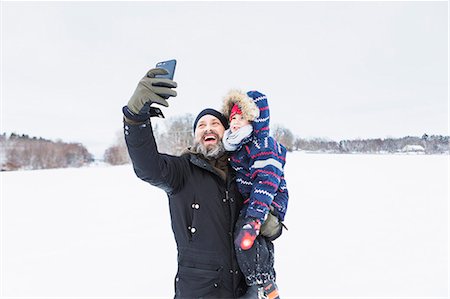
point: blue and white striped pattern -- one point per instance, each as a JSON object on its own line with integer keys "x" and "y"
{"x": 259, "y": 165}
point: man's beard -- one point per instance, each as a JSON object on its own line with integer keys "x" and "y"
{"x": 211, "y": 151}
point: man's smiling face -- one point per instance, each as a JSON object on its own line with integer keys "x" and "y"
{"x": 209, "y": 131}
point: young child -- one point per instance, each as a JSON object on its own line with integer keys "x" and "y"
{"x": 258, "y": 160}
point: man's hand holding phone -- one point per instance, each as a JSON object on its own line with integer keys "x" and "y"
{"x": 156, "y": 87}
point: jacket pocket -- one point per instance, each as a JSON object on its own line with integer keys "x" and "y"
{"x": 197, "y": 283}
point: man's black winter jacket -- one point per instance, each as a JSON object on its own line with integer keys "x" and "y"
{"x": 203, "y": 210}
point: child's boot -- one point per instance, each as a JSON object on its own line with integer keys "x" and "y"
{"x": 254, "y": 292}
{"x": 267, "y": 291}
{"x": 271, "y": 290}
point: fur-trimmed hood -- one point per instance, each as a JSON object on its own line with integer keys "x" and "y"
{"x": 254, "y": 107}
{"x": 249, "y": 109}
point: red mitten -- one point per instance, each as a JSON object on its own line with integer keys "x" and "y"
{"x": 248, "y": 233}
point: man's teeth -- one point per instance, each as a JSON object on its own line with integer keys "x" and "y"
{"x": 208, "y": 138}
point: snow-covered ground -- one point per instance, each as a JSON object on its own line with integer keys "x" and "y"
{"x": 359, "y": 226}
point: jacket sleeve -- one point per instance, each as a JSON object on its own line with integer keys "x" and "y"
{"x": 163, "y": 171}
{"x": 267, "y": 159}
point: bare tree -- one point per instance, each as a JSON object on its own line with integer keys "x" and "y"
{"x": 117, "y": 154}
{"x": 284, "y": 136}
{"x": 178, "y": 136}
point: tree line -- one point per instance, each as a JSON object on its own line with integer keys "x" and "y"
{"x": 434, "y": 144}
{"x": 22, "y": 152}
{"x": 176, "y": 136}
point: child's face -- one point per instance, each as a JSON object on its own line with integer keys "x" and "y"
{"x": 237, "y": 122}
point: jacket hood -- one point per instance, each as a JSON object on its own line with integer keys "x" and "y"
{"x": 254, "y": 107}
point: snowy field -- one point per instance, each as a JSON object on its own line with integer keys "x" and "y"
{"x": 359, "y": 226}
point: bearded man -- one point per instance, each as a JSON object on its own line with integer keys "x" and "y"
{"x": 203, "y": 197}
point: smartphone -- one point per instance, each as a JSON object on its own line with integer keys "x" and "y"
{"x": 169, "y": 65}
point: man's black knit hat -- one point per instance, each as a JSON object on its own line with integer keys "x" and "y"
{"x": 212, "y": 112}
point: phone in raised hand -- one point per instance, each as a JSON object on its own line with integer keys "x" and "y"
{"x": 168, "y": 65}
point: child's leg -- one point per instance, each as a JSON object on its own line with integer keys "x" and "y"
{"x": 257, "y": 262}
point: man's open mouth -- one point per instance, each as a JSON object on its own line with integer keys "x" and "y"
{"x": 210, "y": 138}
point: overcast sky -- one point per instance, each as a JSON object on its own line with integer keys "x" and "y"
{"x": 330, "y": 69}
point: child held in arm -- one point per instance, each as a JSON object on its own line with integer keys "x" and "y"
{"x": 258, "y": 160}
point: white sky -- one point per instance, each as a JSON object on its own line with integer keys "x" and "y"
{"x": 330, "y": 69}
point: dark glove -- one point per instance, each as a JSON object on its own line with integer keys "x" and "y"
{"x": 151, "y": 89}
{"x": 247, "y": 234}
{"x": 272, "y": 227}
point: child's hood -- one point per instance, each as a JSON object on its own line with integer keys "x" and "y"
{"x": 254, "y": 107}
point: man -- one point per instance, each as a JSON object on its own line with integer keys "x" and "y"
{"x": 203, "y": 197}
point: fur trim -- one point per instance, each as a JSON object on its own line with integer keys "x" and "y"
{"x": 249, "y": 109}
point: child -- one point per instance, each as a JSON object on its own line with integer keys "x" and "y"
{"x": 258, "y": 160}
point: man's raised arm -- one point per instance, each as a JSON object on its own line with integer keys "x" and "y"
{"x": 160, "y": 170}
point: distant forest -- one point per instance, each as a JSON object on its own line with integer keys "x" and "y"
{"x": 22, "y": 152}
{"x": 433, "y": 144}
{"x": 176, "y": 136}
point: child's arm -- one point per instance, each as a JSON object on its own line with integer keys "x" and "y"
{"x": 267, "y": 161}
